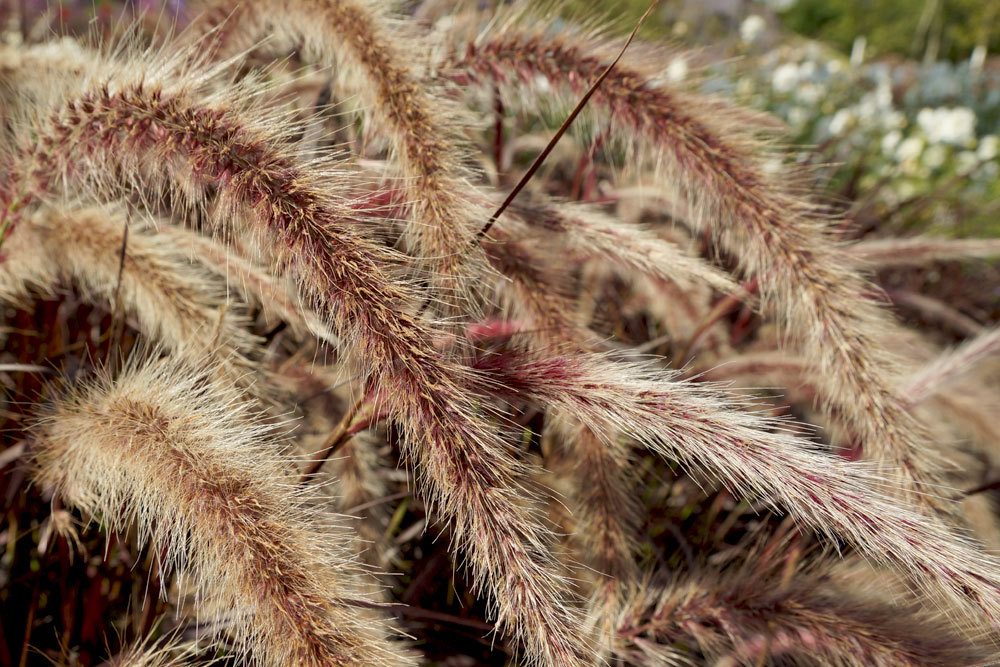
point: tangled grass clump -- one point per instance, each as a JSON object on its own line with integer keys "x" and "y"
{"x": 269, "y": 334}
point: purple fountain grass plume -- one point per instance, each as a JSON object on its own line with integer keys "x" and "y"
{"x": 600, "y": 502}
{"x": 936, "y": 310}
{"x": 603, "y": 479}
{"x": 354, "y": 473}
{"x": 592, "y": 463}
{"x": 966, "y": 410}
{"x": 752, "y": 615}
{"x": 885, "y": 253}
{"x": 358, "y": 485}
{"x": 777, "y": 235}
{"x": 254, "y": 284}
{"x": 968, "y": 405}
{"x": 782, "y": 365}
{"x": 185, "y": 460}
{"x": 950, "y": 366}
{"x": 376, "y": 58}
{"x": 170, "y": 652}
{"x": 682, "y": 313}
{"x": 604, "y": 516}
{"x": 535, "y": 288}
{"x": 27, "y": 72}
{"x": 767, "y": 368}
{"x": 973, "y": 410}
{"x": 529, "y": 236}
{"x": 595, "y": 235}
{"x": 533, "y": 291}
{"x": 593, "y": 466}
{"x": 173, "y": 301}
{"x": 151, "y": 126}
{"x": 752, "y": 455}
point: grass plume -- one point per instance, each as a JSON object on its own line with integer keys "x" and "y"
{"x": 376, "y": 57}
{"x": 180, "y": 457}
{"x": 466, "y": 468}
{"x": 173, "y": 302}
{"x": 776, "y": 234}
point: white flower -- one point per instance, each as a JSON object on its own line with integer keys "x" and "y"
{"x": 890, "y": 141}
{"x": 883, "y": 95}
{"x": 948, "y": 125}
{"x": 785, "y": 77}
{"x": 840, "y": 121}
{"x": 809, "y": 93}
{"x": 677, "y": 70}
{"x": 909, "y": 149}
{"x": 797, "y": 116}
{"x": 893, "y": 120}
{"x": 926, "y": 118}
{"x": 935, "y": 156}
{"x": 868, "y": 109}
{"x": 966, "y": 161}
{"x": 989, "y": 148}
{"x": 962, "y": 125}
{"x": 752, "y": 28}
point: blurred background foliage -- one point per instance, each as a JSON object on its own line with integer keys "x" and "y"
{"x": 950, "y": 29}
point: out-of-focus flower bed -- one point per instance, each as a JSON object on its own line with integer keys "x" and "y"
{"x": 908, "y": 144}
